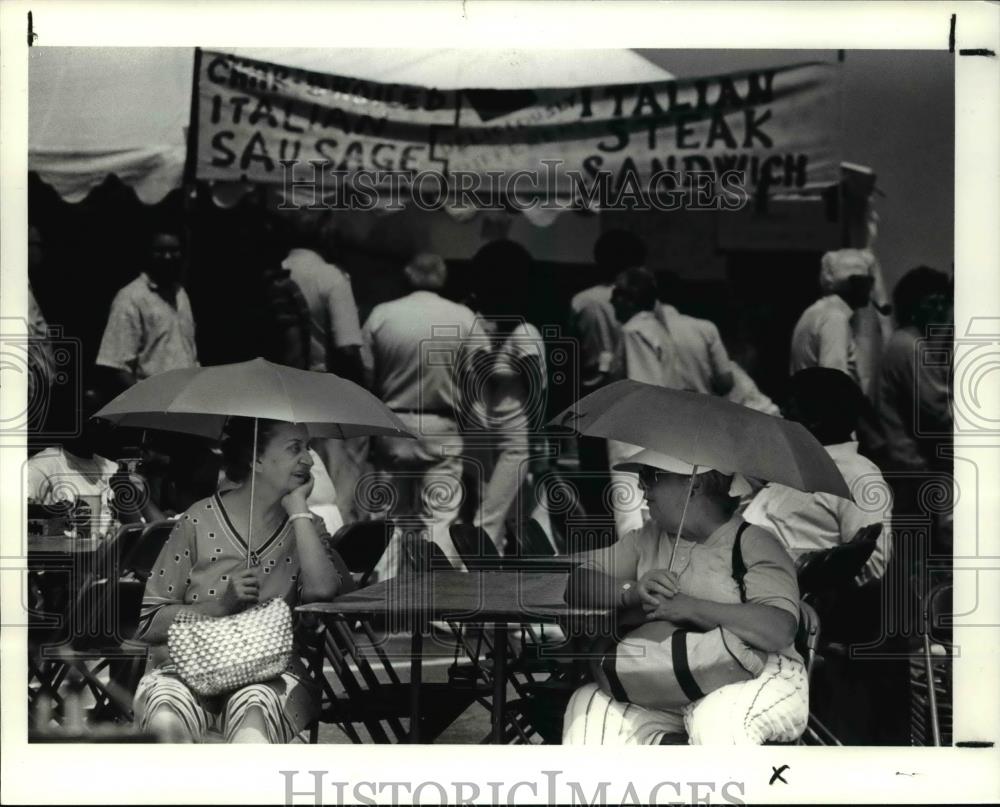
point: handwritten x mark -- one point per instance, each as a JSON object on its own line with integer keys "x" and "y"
{"x": 777, "y": 774}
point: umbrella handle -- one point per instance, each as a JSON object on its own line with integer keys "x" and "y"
{"x": 253, "y": 459}
{"x": 680, "y": 527}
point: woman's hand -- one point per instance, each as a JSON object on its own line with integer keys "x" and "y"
{"x": 243, "y": 590}
{"x": 295, "y": 502}
{"x": 678, "y": 608}
{"x": 656, "y": 584}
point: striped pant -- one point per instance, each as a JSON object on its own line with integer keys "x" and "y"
{"x": 288, "y": 705}
{"x": 774, "y": 706}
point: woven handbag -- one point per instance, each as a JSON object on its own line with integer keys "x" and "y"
{"x": 214, "y": 655}
{"x": 662, "y": 666}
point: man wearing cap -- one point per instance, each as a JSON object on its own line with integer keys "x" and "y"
{"x": 824, "y": 335}
{"x": 679, "y": 568}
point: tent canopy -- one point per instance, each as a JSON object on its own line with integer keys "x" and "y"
{"x": 124, "y": 111}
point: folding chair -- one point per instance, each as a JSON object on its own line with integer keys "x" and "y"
{"x": 931, "y": 674}
{"x": 100, "y": 623}
{"x": 532, "y": 542}
{"x": 361, "y": 545}
{"x": 138, "y": 561}
{"x": 807, "y": 643}
{"x": 475, "y": 546}
{"x": 837, "y": 567}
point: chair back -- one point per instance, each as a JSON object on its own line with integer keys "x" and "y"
{"x": 533, "y": 542}
{"x": 837, "y": 566}
{"x": 938, "y": 614}
{"x": 423, "y": 556}
{"x": 474, "y": 546}
{"x": 807, "y": 636}
{"x": 126, "y": 541}
{"x": 362, "y": 544}
{"x": 146, "y": 550}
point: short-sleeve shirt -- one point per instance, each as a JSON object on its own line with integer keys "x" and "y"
{"x": 513, "y": 376}
{"x": 599, "y": 332}
{"x": 914, "y": 401}
{"x": 807, "y": 522}
{"x": 705, "y": 570}
{"x": 823, "y": 337}
{"x": 333, "y": 313}
{"x": 204, "y": 550}
{"x": 56, "y": 476}
{"x": 416, "y": 350}
{"x": 146, "y": 334}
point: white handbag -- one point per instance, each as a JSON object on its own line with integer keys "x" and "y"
{"x": 214, "y": 655}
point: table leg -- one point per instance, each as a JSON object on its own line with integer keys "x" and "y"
{"x": 416, "y": 679}
{"x": 499, "y": 681}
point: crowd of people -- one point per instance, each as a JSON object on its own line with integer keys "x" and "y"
{"x": 469, "y": 379}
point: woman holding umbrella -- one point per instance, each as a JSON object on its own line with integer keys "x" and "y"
{"x": 689, "y": 581}
{"x": 228, "y": 552}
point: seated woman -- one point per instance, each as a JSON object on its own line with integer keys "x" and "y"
{"x": 700, "y": 594}
{"x": 203, "y": 568}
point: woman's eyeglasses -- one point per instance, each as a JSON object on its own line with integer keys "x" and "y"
{"x": 647, "y": 478}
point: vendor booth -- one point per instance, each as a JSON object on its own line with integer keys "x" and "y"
{"x": 118, "y": 133}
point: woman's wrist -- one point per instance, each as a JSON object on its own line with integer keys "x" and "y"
{"x": 629, "y": 594}
{"x": 296, "y": 515}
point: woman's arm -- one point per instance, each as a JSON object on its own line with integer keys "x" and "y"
{"x": 763, "y": 626}
{"x": 590, "y": 588}
{"x": 319, "y": 580}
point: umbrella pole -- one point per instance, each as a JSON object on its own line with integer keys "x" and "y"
{"x": 253, "y": 459}
{"x": 680, "y": 527}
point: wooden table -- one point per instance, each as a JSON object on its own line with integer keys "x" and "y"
{"x": 497, "y": 598}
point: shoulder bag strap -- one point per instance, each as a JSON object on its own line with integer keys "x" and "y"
{"x": 739, "y": 567}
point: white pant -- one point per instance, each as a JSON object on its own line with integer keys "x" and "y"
{"x": 774, "y": 706}
{"x": 425, "y": 479}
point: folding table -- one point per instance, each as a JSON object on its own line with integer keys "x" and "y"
{"x": 411, "y": 602}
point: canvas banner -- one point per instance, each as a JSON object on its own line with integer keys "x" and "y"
{"x": 776, "y": 127}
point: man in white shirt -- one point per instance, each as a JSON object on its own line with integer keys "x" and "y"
{"x": 416, "y": 354}
{"x": 828, "y": 403}
{"x": 824, "y": 334}
{"x": 150, "y": 328}
{"x": 659, "y": 346}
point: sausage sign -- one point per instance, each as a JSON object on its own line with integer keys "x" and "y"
{"x": 262, "y": 122}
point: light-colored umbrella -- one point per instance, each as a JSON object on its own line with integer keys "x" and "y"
{"x": 199, "y": 400}
{"x": 709, "y": 432}
{"x": 706, "y": 432}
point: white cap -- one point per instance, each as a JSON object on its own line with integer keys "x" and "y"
{"x": 841, "y": 264}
